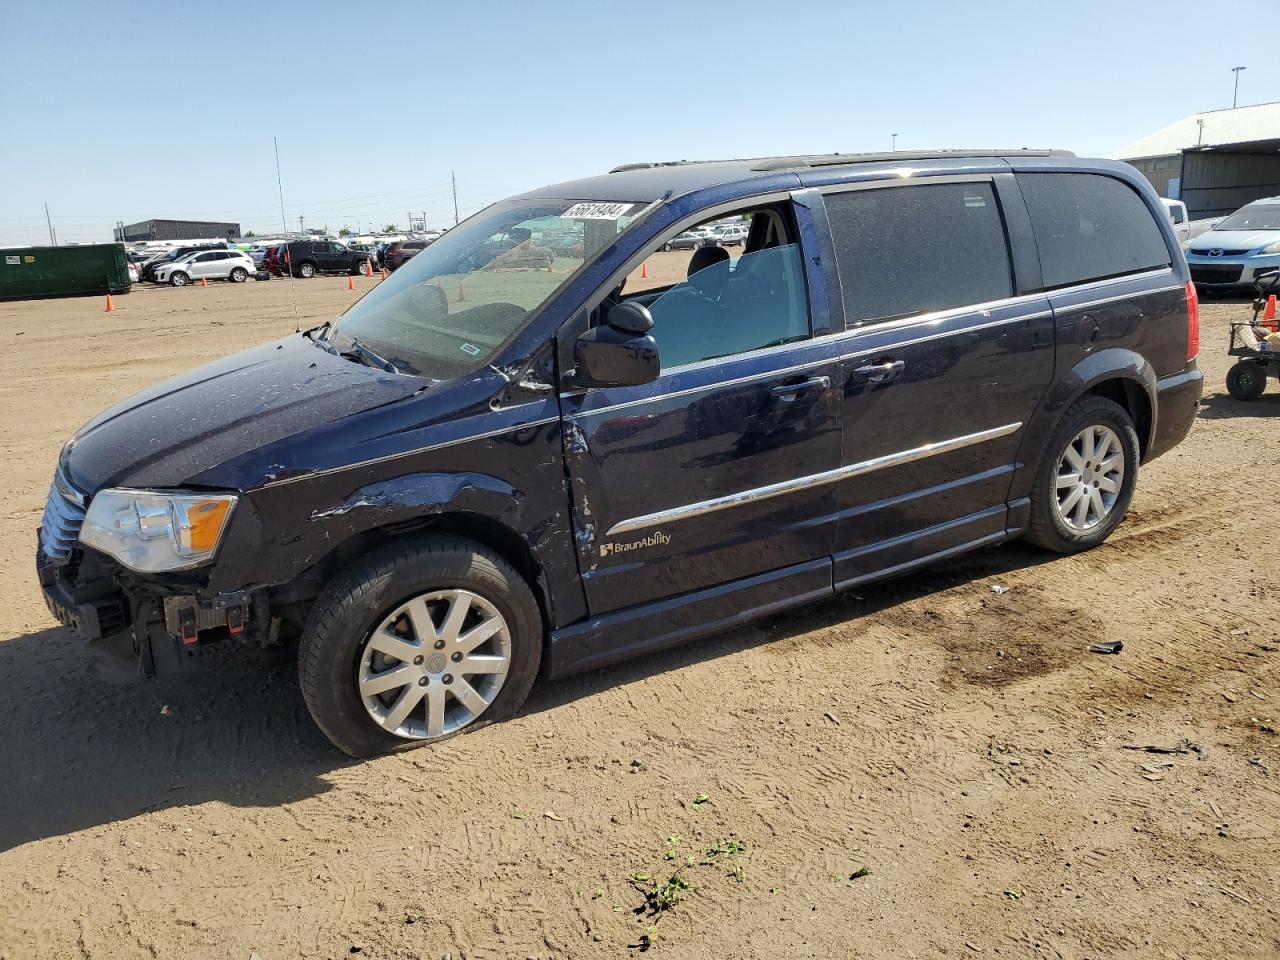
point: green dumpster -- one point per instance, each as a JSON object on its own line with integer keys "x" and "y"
{"x": 63, "y": 271}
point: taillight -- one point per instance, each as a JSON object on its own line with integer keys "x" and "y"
{"x": 1193, "y": 322}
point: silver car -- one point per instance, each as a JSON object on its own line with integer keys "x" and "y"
{"x": 234, "y": 265}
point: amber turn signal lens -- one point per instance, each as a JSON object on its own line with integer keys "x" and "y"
{"x": 205, "y": 519}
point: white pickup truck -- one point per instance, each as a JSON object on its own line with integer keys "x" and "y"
{"x": 1186, "y": 230}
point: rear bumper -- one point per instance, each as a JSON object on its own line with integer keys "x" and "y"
{"x": 1178, "y": 403}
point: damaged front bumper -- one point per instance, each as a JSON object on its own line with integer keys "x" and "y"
{"x": 166, "y": 620}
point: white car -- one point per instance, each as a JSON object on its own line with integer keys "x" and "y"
{"x": 731, "y": 236}
{"x": 234, "y": 265}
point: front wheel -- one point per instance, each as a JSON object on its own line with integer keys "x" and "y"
{"x": 307, "y": 271}
{"x": 1086, "y": 477}
{"x": 422, "y": 639}
{"x": 179, "y": 279}
{"x": 666, "y": 247}
{"x": 1247, "y": 381}
{"x": 239, "y": 275}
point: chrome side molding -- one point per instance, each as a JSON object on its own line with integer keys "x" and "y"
{"x": 813, "y": 480}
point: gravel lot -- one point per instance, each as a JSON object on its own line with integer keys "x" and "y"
{"x": 960, "y": 743}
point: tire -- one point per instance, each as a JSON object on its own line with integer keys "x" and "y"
{"x": 1247, "y": 381}
{"x": 306, "y": 270}
{"x": 336, "y": 645}
{"x": 697, "y": 244}
{"x": 1049, "y": 528}
{"x": 666, "y": 247}
{"x": 364, "y": 269}
{"x": 179, "y": 279}
{"x": 239, "y": 275}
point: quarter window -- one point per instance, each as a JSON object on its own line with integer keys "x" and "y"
{"x": 915, "y": 249}
{"x": 1089, "y": 227}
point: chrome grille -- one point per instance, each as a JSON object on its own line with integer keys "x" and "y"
{"x": 63, "y": 515}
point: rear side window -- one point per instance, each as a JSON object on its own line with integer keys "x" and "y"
{"x": 1090, "y": 227}
{"x": 916, "y": 249}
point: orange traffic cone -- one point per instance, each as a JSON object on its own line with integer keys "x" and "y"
{"x": 204, "y": 281}
{"x": 462, "y": 294}
{"x": 111, "y": 307}
{"x": 384, "y": 273}
{"x": 1269, "y": 314}
{"x": 369, "y": 263}
{"x": 644, "y": 270}
{"x": 351, "y": 282}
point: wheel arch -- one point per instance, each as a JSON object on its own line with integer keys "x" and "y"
{"x": 484, "y": 530}
{"x": 1122, "y": 376}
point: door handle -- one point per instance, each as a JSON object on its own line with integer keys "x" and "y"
{"x": 789, "y": 391}
{"x": 880, "y": 372}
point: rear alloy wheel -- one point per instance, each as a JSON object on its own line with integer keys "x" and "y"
{"x": 307, "y": 271}
{"x": 1086, "y": 477}
{"x": 179, "y": 279}
{"x": 423, "y": 639}
{"x": 239, "y": 275}
{"x": 1247, "y": 381}
{"x": 666, "y": 247}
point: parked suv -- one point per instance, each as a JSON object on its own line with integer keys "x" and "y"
{"x": 486, "y": 471}
{"x": 402, "y": 251}
{"x": 149, "y": 268}
{"x": 234, "y": 265}
{"x": 306, "y": 258}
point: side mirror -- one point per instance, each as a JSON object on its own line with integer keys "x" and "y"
{"x": 630, "y": 318}
{"x": 619, "y": 354}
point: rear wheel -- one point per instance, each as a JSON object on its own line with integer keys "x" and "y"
{"x": 1086, "y": 477}
{"x": 307, "y": 270}
{"x": 179, "y": 279}
{"x": 421, "y": 640}
{"x": 239, "y": 275}
{"x": 1247, "y": 381}
{"x": 666, "y": 247}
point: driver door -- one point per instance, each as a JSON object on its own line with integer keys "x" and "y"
{"x": 706, "y": 475}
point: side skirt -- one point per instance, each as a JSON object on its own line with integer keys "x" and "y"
{"x": 623, "y": 634}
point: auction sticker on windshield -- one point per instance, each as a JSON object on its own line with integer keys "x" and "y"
{"x": 596, "y": 211}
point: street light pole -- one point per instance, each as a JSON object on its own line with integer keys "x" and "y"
{"x": 1236, "y": 92}
{"x": 895, "y": 140}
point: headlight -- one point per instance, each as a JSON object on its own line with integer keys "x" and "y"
{"x": 1271, "y": 248}
{"x": 156, "y": 532}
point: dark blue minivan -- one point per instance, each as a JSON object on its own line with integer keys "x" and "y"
{"x": 548, "y": 443}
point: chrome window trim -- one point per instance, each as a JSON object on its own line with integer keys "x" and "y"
{"x": 1120, "y": 296}
{"x": 784, "y": 487}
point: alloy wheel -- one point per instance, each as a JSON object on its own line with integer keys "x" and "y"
{"x": 1090, "y": 477}
{"x": 434, "y": 664}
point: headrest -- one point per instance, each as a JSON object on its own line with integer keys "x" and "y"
{"x": 705, "y": 257}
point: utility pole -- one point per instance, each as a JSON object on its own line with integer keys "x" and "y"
{"x": 454, "y": 180}
{"x": 300, "y": 228}
{"x": 1236, "y": 92}
{"x": 895, "y": 140}
{"x": 53, "y": 241}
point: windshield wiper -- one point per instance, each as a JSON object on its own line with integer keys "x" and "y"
{"x": 319, "y": 341}
{"x": 364, "y": 355}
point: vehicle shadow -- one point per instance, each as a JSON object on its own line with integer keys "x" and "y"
{"x": 1223, "y": 406}
{"x": 844, "y": 607}
{"x": 82, "y": 748}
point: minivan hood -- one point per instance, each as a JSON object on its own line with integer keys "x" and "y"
{"x": 1232, "y": 240}
{"x": 176, "y": 430}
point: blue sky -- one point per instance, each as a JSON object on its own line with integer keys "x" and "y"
{"x": 131, "y": 110}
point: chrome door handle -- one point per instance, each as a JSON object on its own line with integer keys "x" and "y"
{"x": 880, "y": 372}
{"x": 789, "y": 391}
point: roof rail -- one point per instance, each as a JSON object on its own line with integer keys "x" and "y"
{"x": 623, "y": 168}
{"x": 832, "y": 159}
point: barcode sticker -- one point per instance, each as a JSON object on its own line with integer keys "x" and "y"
{"x": 596, "y": 211}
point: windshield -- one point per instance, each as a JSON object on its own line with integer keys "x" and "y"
{"x": 451, "y": 307}
{"x": 1256, "y": 216}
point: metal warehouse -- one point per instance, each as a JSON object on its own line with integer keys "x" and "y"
{"x": 1216, "y": 161}
{"x": 177, "y": 230}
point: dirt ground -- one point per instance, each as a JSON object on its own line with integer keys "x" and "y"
{"x": 959, "y": 743}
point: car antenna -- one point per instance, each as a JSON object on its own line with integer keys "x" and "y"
{"x": 297, "y": 321}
